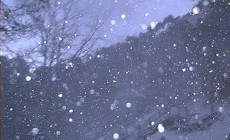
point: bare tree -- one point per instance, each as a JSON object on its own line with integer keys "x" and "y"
{"x": 10, "y": 24}
{"x": 63, "y": 29}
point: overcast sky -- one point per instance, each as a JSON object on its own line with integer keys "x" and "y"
{"x": 139, "y": 14}
{"x": 129, "y": 17}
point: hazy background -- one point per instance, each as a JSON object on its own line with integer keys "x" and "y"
{"x": 137, "y": 16}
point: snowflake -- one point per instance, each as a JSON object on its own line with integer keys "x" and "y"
{"x": 113, "y": 22}
{"x": 128, "y": 105}
{"x": 123, "y": 16}
{"x": 160, "y": 128}
{"x": 34, "y": 131}
{"x": 70, "y": 120}
{"x": 116, "y": 136}
{"x": 196, "y": 10}
{"x": 28, "y": 78}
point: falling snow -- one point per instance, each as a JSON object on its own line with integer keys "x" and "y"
{"x": 113, "y": 22}
{"x": 116, "y": 136}
{"x": 70, "y": 120}
{"x": 123, "y": 16}
{"x": 128, "y": 105}
{"x": 60, "y": 95}
{"x": 196, "y": 10}
{"x": 28, "y": 78}
{"x": 160, "y": 128}
{"x": 116, "y": 70}
{"x": 34, "y": 131}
